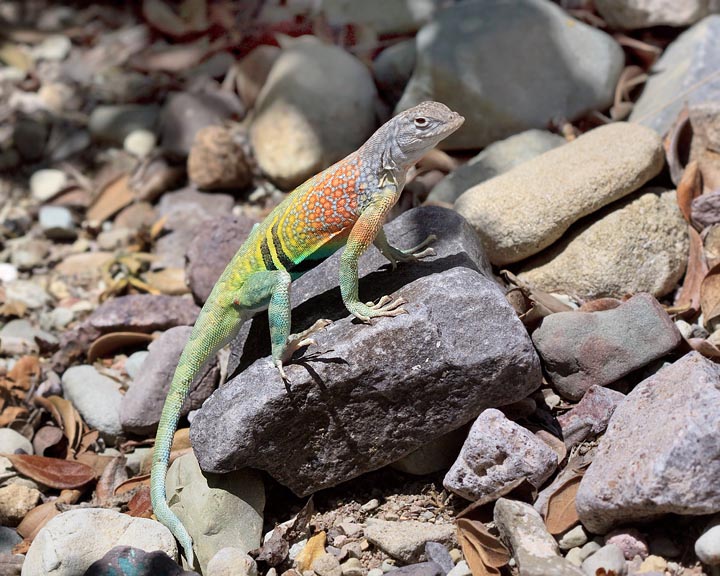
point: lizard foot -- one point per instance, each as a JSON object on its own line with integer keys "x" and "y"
{"x": 411, "y": 254}
{"x": 297, "y": 341}
{"x": 386, "y": 306}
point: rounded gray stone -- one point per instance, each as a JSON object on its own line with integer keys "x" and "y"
{"x": 707, "y": 547}
{"x": 562, "y": 68}
{"x": 96, "y": 397}
{"x": 11, "y": 441}
{"x": 525, "y": 210}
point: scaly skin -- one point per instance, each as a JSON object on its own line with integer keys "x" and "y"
{"x": 345, "y": 205}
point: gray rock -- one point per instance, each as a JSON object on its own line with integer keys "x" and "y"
{"x": 54, "y": 47}
{"x": 217, "y": 510}
{"x": 494, "y": 160}
{"x": 212, "y": 249}
{"x": 405, "y": 540}
{"x": 11, "y": 442}
{"x": 496, "y": 453}
{"x": 608, "y": 560}
{"x": 687, "y": 68}
{"x": 69, "y": 543}
{"x": 382, "y": 16}
{"x": 252, "y": 72}
{"x": 419, "y": 569}
{"x": 666, "y": 426}
{"x": 231, "y": 562}
{"x": 30, "y": 136}
{"x": 326, "y": 565}
{"x": 707, "y": 547}
{"x": 16, "y": 500}
{"x": 186, "y": 113}
{"x": 46, "y": 183}
{"x": 638, "y": 245}
{"x": 438, "y": 553}
{"x": 186, "y": 211}
{"x": 143, "y": 402}
{"x": 28, "y": 292}
{"x": 632, "y": 14}
{"x": 112, "y": 124}
{"x": 18, "y": 337}
{"x": 96, "y": 397}
{"x": 706, "y": 209}
{"x": 522, "y": 211}
{"x": 143, "y": 313}
{"x": 393, "y": 68}
{"x": 590, "y": 417}
{"x": 317, "y": 106}
{"x": 27, "y": 253}
{"x": 565, "y": 68}
{"x": 438, "y": 454}
{"x": 535, "y": 551}
{"x": 8, "y": 539}
{"x": 134, "y": 363}
{"x": 57, "y": 223}
{"x": 340, "y": 433}
{"x": 573, "y": 538}
{"x": 580, "y": 349}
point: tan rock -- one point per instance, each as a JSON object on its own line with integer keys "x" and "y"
{"x": 639, "y": 245}
{"x": 525, "y": 210}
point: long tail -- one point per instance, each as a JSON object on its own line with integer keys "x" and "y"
{"x": 215, "y": 326}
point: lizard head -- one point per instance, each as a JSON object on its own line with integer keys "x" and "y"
{"x": 417, "y": 130}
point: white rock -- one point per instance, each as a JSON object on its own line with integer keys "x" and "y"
{"x": 460, "y": 569}
{"x": 573, "y": 538}
{"x": 57, "y": 222}
{"x": 70, "y": 542}
{"x": 55, "y": 47}
{"x": 631, "y": 14}
{"x": 707, "y": 547}
{"x": 134, "y": 363}
{"x": 140, "y": 142}
{"x": 8, "y": 273}
{"x": 44, "y": 184}
{"x": 10, "y": 441}
{"x": 231, "y": 562}
{"x": 96, "y": 397}
{"x": 28, "y": 292}
{"x": 382, "y": 16}
{"x": 609, "y": 558}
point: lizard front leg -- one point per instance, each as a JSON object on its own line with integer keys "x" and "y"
{"x": 363, "y": 233}
{"x": 396, "y": 255}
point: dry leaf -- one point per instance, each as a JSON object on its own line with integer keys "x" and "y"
{"x": 689, "y": 188}
{"x": 191, "y": 21}
{"x": 710, "y": 297}
{"x": 132, "y": 484}
{"x": 41, "y": 515}
{"x": 519, "y": 489}
{"x": 65, "y": 415}
{"x": 114, "y": 197}
{"x": 677, "y": 145}
{"x": 314, "y": 548}
{"x": 557, "y": 445}
{"x": 697, "y": 269}
{"x": 109, "y": 344}
{"x": 483, "y": 552}
{"x": 140, "y": 504}
{"x": 705, "y": 348}
{"x": 51, "y": 442}
{"x": 113, "y": 475}
{"x": 25, "y": 372}
{"x": 97, "y": 462}
{"x": 52, "y": 472}
{"x": 12, "y": 413}
{"x": 561, "y": 512}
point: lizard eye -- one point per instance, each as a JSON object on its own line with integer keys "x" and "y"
{"x": 421, "y": 122}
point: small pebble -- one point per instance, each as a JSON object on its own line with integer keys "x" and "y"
{"x": 573, "y": 538}
{"x": 631, "y": 542}
{"x": 574, "y": 556}
{"x": 8, "y": 272}
{"x": 589, "y": 549}
{"x": 707, "y": 547}
{"x": 653, "y": 564}
{"x": 370, "y": 505}
{"x": 375, "y": 572}
{"x": 327, "y": 565}
{"x": 352, "y": 567}
{"x": 552, "y": 400}
{"x": 57, "y": 223}
{"x": 461, "y": 569}
{"x": 456, "y": 555}
{"x": 387, "y": 565}
{"x": 608, "y": 558}
{"x": 140, "y": 142}
{"x": 685, "y": 329}
{"x": 44, "y": 184}
{"x": 55, "y": 47}
{"x": 16, "y": 500}
{"x": 12, "y": 442}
